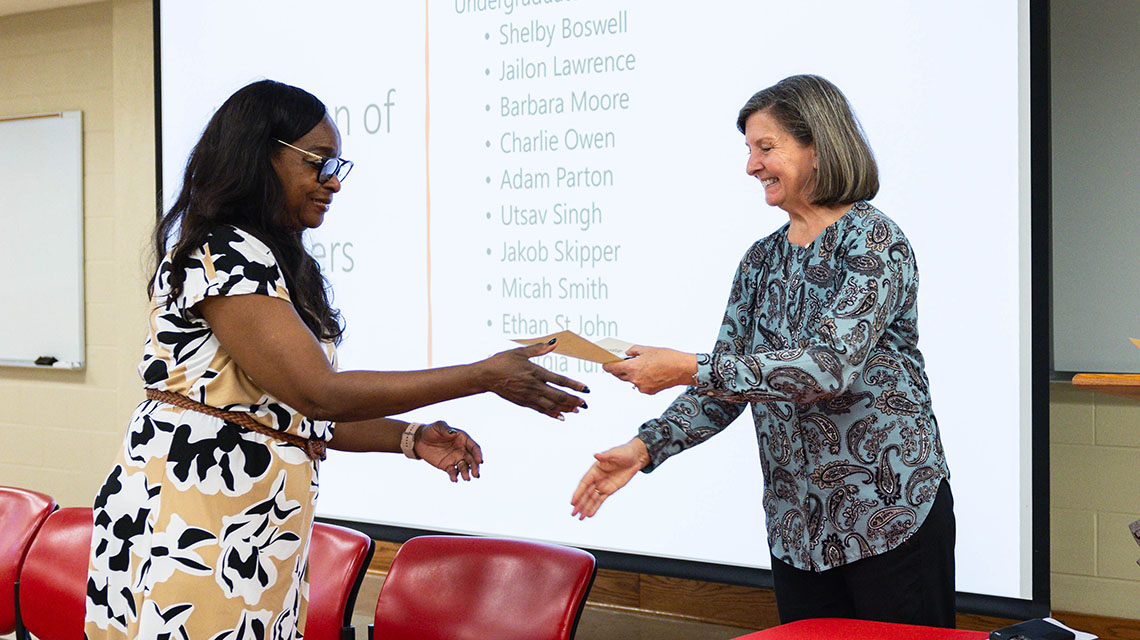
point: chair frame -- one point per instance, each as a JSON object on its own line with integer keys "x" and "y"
{"x": 39, "y": 507}
{"x": 22, "y": 631}
{"x": 347, "y": 630}
{"x": 581, "y": 604}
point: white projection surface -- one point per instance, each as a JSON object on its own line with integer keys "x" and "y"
{"x": 526, "y": 167}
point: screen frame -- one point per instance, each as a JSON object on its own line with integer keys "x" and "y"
{"x": 1042, "y": 372}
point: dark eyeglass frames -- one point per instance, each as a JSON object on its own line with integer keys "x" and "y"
{"x": 326, "y": 167}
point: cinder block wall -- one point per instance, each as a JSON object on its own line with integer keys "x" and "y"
{"x": 59, "y": 430}
{"x": 1094, "y": 470}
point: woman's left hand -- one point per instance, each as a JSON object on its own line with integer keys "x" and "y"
{"x": 450, "y": 450}
{"x": 652, "y": 369}
{"x": 611, "y": 471}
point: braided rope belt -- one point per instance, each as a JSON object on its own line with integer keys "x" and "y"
{"x": 314, "y": 447}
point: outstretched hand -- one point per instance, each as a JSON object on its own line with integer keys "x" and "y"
{"x": 653, "y": 369}
{"x": 612, "y": 470}
{"x": 512, "y": 376}
{"x": 450, "y": 450}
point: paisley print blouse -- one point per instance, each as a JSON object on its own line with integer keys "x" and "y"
{"x": 822, "y": 343}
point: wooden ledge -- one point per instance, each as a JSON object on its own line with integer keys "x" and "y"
{"x": 1117, "y": 384}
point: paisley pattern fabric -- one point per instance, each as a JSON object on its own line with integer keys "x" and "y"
{"x": 822, "y": 343}
{"x": 202, "y": 528}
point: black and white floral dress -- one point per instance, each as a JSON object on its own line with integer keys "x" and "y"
{"x": 202, "y": 527}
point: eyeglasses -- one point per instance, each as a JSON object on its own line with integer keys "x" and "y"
{"x": 326, "y": 167}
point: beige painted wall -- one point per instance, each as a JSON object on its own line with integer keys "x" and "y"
{"x": 1094, "y": 472}
{"x": 60, "y": 430}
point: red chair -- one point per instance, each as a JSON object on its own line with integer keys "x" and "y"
{"x": 466, "y": 588}
{"x": 21, "y": 514}
{"x": 338, "y": 560}
{"x": 51, "y": 595}
{"x": 832, "y": 628}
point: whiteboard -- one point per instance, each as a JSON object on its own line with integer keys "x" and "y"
{"x": 41, "y": 264}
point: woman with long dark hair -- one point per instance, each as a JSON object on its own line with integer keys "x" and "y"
{"x": 202, "y": 526}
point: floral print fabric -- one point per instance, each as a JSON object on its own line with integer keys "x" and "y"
{"x": 202, "y": 528}
{"x": 822, "y": 343}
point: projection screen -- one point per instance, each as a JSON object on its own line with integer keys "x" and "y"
{"x": 524, "y": 167}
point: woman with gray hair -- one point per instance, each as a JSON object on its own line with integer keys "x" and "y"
{"x": 820, "y": 340}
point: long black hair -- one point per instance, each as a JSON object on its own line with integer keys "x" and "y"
{"x": 229, "y": 180}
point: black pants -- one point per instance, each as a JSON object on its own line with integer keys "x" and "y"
{"x": 911, "y": 584}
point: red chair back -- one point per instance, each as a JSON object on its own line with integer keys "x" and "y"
{"x": 338, "y": 560}
{"x": 831, "y": 628}
{"x": 52, "y": 593}
{"x": 21, "y": 514}
{"x": 467, "y": 588}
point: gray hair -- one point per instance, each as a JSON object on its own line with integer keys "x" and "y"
{"x": 815, "y": 112}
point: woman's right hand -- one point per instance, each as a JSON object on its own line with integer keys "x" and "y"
{"x": 449, "y": 450}
{"x": 653, "y": 369}
{"x": 512, "y": 376}
{"x": 612, "y": 470}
